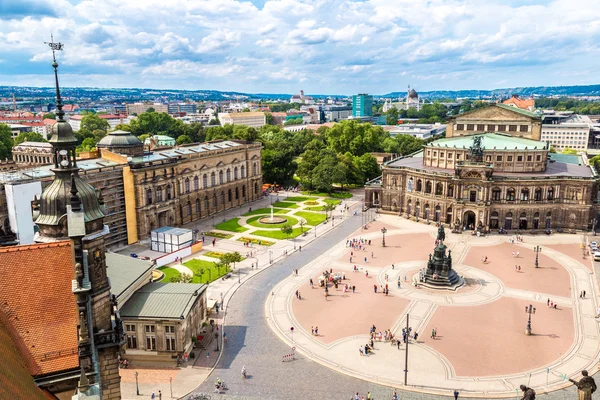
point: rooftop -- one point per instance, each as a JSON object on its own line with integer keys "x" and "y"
{"x": 163, "y": 300}
{"x": 38, "y": 305}
{"x": 496, "y": 141}
{"x": 245, "y": 114}
{"x": 103, "y": 116}
{"x": 123, "y": 271}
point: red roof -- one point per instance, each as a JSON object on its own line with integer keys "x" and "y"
{"x": 21, "y": 119}
{"x": 38, "y": 306}
{"x": 33, "y": 123}
{"x": 524, "y": 104}
{"x": 48, "y": 121}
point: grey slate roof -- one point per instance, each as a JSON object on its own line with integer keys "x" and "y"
{"x": 123, "y": 271}
{"x": 163, "y": 300}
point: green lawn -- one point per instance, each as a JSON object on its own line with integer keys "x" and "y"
{"x": 232, "y": 226}
{"x": 219, "y": 235}
{"x": 285, "y": 204}
{"x": 296, "y": 199}
{"x": 254, "y": 222}
{"x": 209, "y": 270}
{"x": 335, "y": 195}
{"x": 256, "y": 241}
{"x": 315, "y": 208}
{"x": 277, "y": 234}
{"x": 169, "y": 273}
{"x": 311, "y": 218}
{"x": 332, "y": 201}
{"x": 216, "y": 254}
{"x": 266, "y": 211}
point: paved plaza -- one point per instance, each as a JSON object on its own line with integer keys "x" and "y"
{"x": 481, "y": 348}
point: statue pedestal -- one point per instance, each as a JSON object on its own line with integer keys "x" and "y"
{"x": 451, "y": 282}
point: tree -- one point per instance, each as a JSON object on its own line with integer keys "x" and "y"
{"x": 49, "y": 116}
{"x": 391, "y": 116}
{"x": 287, "y": 230}
{"x": 214, "y": 121}
{"x": 92, "y": 122}
{"x": 88, "y": 144}
{"x": 294, "y": 121}
{"x": 157, "y": 123}
{"x": 278, "y": 165}
{"x": 6, "y": 142}
{"x": 150, "y": 110}
{"x": 328, "y": 207}
{"x": 29, "y": 137}
{"x": 569, "y": 150}
{"x": 327, "y": 173}
{"x": 302, "y": 222}
{"x": 123, "y": 127}
{"x": 269, "y": 118}
{"x": 183, "y": 139}
{"x": 230, "y": 258}
{"x": 368, "y": 167}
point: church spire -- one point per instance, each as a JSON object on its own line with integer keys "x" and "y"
{"x": 56, "y": 47}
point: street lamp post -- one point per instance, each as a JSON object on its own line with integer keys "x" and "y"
{"x": 217, "y": 337}
{"x": 537, "y": 250}
{"x": 594, "y": 226}
{"x": 315, "y": 231}
{"x": 529, "y": 310}
{"x": 383, "y": 231}
{"x": 171, "y": 384}
{"x": 239, "y": 281}
{"x": 137, "y": 387}
{"x": 270, "y": 259}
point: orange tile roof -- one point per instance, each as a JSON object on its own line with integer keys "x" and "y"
{"x": 523, "y": 104}
{"x": 15, "y": 380}
{"x": 38, "y": 305}
{"x": 49, "y": 121}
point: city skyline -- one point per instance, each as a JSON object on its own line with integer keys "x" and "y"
{"x": 321, "y": 46}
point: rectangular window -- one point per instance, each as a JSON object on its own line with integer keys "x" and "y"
{"x": 491, "y": 128}
{"x": 501, "y": 128}
{"x": 441, "y": 155}
{"x": 519, "y": 158}
{"x": 460, "y": 127}
{"x": 130, "y": 328}
{"x": 131, "y": 342}
{"x": 470, "y": 127}
{"x": 170, "y": 343}
{"x": 496, "y": 195}
{"x": 529, "y": 158}
{"x": 169, "y": 329}
{"x": 512, "y": 128}
{"x": 473, "y": 196}
{"x": 523, "y": 128}
{"x": 480, "y": 127}
{"x": 150, "y": 343}
{"x": 449, "y": 155}
{"x": 498, "y": 158}
{"x": 150, "y": 328}
{"x": 509, "y": 158}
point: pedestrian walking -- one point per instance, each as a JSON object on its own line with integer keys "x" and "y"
{"x": 369, "y": 396}
{"x": 312, "y": 330}
{"x": 392, "y": 266}
{"x": 311, "y": 283}
{"x": 365, "y": 259}
{"x": 316, "y": 331}
{"x": 455, "y": 394}
{"x": 416, "y": 336}
{"x": 548, "y": 303}
{"x": 398, "y": 343}
{"x": 584, "y": 294}
{"x": 353, "y": 288}
{"x": 153, "y": 396}
{"x": 366, "y": 273}
{"x": 398, "y": 283}
{"x": 159, "y": 395}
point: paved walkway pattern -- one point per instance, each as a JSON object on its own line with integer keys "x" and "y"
{"x": 481, "y": 348}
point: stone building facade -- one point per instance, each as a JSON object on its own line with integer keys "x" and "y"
{"x": 511, "y": 182}
{"x": 188, "y": 183}
{"x": 32, "y": 154}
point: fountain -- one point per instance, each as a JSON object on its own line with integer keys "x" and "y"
{"x": 272, "y": 220}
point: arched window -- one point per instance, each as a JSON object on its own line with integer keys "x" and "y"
{"x": 538, "y": 194}
{"x": 159, "y": 195}
{"x": 220, "y": 177}
{"x": 187, "y": 185}
{"x": 235, "y": 173}
{"x": 428, "y": 187}
{"x": 204, "y": 181}
{"x": 214, "y": 199}
{"x": 222, "y": 197}
{"x": 524, "y": 194}
{"x": 189, "y": 208}
{"x": 196, "y": 183}
{"x": 198, "y": 209}
{"x": 256, "y": 188}
{"x": 206, "y": 203}
{"x": 169, "y": 191}
{"x": 439, "y": 189}
{"x": 496, "y": 193}
{"x": 149, "y": 196}
{"x": 237, "y": 193}
{"x": 550, "y": 193}
{"x": 228, "y": 176}
{"x": 244, "y": 191}
{"x": 510, "y": 194}
{"x": 212, "y": 179}
{"x": 243, "y": 171}
{"x": 419, "y": 185}
{"x": 254, "y": 170}
{"x": 450, "y": 190}
{"x": 229, "y": 195}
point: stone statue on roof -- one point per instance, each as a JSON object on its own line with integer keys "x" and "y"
{"x": 476, "y": 149}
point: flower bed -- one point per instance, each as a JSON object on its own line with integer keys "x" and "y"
{"x": 259, "y": 242}
{"x": 311, "y": 203}
{"x": 218, "y": 235}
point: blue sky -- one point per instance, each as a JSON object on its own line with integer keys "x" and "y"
{"x": 320, "y": 46}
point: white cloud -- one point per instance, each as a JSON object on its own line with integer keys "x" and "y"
{"x": 333, "y": 46}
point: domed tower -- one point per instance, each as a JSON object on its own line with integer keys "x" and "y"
{"x": 71, "y": 209}
{"x": 122, "y": 142}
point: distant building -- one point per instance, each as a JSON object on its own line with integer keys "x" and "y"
{"x": 362, "y": 105}
{"x": 571, "y": 131}
{"x": 159, "y": 141}
{"x": 122, "y": 142}
{"x": 182, "y": 108}
{"x": 112, "y": 119}
{"x": 32, "y": 154}
{"x": 279, "y": 117}
{"x": 252, "y": 119}
{"x": 336, "y": 113}
{"x": 17, "y": 129}
{"x": 138, "y": 108}
{"x": 37, "y": 127}
{"x": 301, "y": 98}
{"x": 523, "y": 104}
{"x": 412, "y": 101}
{"x": 419, "y": 131}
